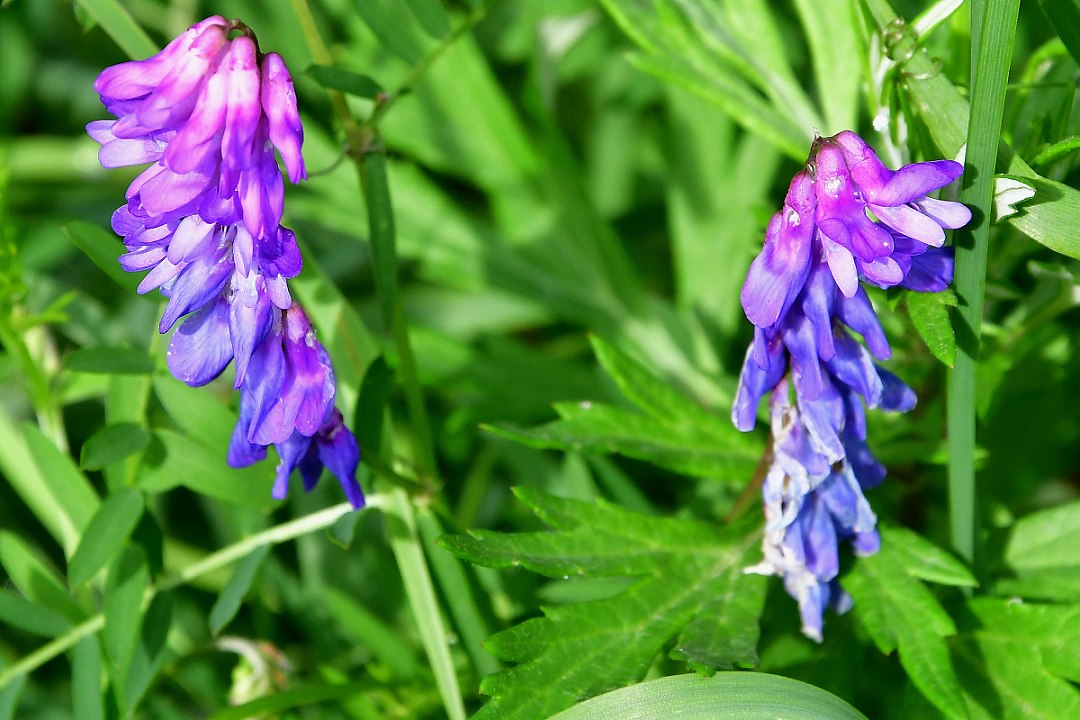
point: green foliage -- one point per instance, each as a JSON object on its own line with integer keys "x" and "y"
{"x": 685, "y": 570}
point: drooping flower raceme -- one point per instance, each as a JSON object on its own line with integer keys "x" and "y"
{"x": 846, "y": 218}
{"x": 204, "y": 219}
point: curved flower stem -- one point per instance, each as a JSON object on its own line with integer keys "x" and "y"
{"x": 226, "y": 556}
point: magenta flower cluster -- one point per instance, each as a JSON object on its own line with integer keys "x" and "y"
{"x": 204, "y": 219}
{"x": 846, "y": 218}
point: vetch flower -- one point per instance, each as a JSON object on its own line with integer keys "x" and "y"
{"x": 846, "y": 218}
{"x": 204, "y": 219}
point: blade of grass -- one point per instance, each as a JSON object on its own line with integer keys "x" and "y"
{"x": 121, "y": 27}
{"x": 991, "y": 74}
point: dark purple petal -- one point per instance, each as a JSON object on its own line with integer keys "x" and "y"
{"x": 201, "y": 347}
{"x": 339, "y": 452}
{"x": 896, "y": 396}
{"x": 858, "y": 314}
{"x": 931, "y": 271}
{"x": 758, "y": 376}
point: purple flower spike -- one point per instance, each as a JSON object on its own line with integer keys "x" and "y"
{"x": 804, "y": 297}
{"x": 204, "y": 221}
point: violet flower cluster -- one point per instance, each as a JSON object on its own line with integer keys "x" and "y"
{"x": 804, "y": 297}
{"x": 204, "y": 219}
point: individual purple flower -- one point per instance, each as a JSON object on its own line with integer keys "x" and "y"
{"x": 204, "y": 219}
{"x": 846, "y": 218}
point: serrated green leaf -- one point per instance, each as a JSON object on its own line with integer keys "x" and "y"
{"x": 579, "y": 650}
{"x": 653, "y": 395}
{"x": 113, "y": 443}
{"x": 110, "y": 360}
{"x": 228, "y": 602}
{"x": 103, "y": 248}
{"x": 901, "y": 614}
{"x": 724, "y": 696}
{"x": 106, "y": 533}
{"x": 597, "y": 427}
{"x": 124, "y": 591}
{"x": 336, "y": 77}
{"x": 1061, "y": 584}
{"x": 1016, "y": 660}
{"x": 1045, "y": 539}
{"x": 930, "y": 315}
{"x": 924, "y": 560}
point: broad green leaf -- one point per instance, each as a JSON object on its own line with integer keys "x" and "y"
{"x": 833, "y": 37}
{"x": 31, "y": 617}
{"x": 1050, "y": 216}
{"x": 724, "y": 696}
{"x": 384, "y": 17}
{"x": 576, "y": 651}
{"x": 124, "y": 592}
{"x": 1046, "y": 539}
{"x": 173, "y": 459}
{"x": 432, "y": 16}
{"x": 924, "y": 560}
{"x": 113, "y": 443}
{"x": 597, "y": 427}
{"x": 1064, "y": 16}
{"x": 1061, "y": 584}
{"x": 228, "y": 602}
{"x": 901, "y": 614}
{"x": 9, "y": 697}
{"x": 930, "y": 315}
{"x": 103, "y": 248}
{"x": 653, "y": 395}
{"x": 289, "y": 699}
{"x": 1018, "y": 661}
{"x": 119, "y": 25}
{"x": 110, "y": 360}
{"x": 106, "y": 533}
{"x": 371, "y": 405}
{"x": 37, "y": 582}
{"x": 336, "y": 77}
{"x": 86, "y": 680}
{"x": 197, "y": 412}
{"x": 46, "y": 480}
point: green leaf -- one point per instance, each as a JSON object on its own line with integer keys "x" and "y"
{"x": 106, "y": 533}
{"x": 37, "y": 582}
{"x": 395, "y": 35}
{"x": 124, "y": 592}
{"x": 86, "y": 680}
{"x": 336, "y": 77}
{"x": 173, "y": 459}
{"x": 149, "y": 654}
{"x": 1018, "y": 661}
{"x": 901, "y": 614}
{"x": 47, "y": 481}
{"x": 228, "y": 602}
{"x": 924, "y": 560}
{"x": 432, "y": 16}
{"x": 119, "y": 25}
{"x": 113, "y": 443}
{"x": 597, "y": 427}
{"x": 724, "y": 696}
{"x": 1046, "y": 539}
{"x": 364, "y": 627}
{"x": 683, "y": 568}
{"x": 198, "y": 413}
{"x": 31, "y": 617}
{"x": 1064, "y": 16}
{"x": 103, "y": 248}
{"x": 1050, "y": 216}
{"x": 9, "y": 697}
{"x": 930, "y": 315}
{"x": 110, "y": 360}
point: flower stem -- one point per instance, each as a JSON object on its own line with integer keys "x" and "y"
{"x": 994, "y": 40}
{"x": 226, "y": 556}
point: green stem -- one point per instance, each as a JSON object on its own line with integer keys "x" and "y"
{"x": 226, "y": 556}
{"x": 990, "y": 73}
{"x": 409, "y": 553}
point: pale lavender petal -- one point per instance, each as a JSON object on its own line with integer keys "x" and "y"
{"x": 947, "y": 214}
{"x": 911, "y": 222}
{"x": 201, "y": 348}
